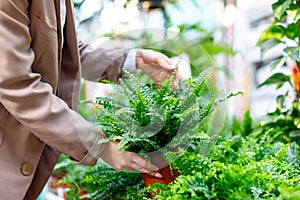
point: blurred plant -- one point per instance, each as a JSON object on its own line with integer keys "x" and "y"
{"x": 143, "y": 5}
{"x": 98, "y": 182}
{"x": 285, "y": 31}
{"x": 192, "y": 39}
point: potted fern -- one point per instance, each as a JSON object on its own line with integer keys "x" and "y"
{"x": 152, "y": 121}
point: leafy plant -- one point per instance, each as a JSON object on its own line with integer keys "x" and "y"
{"x": 148, "y": 118}
{"x": 284, "y": 31}
{"x": 144, "y": 117}
{"x": 100, "y": 182}
{"x": 256, "y": 168}
{"x": 245, "y": 166}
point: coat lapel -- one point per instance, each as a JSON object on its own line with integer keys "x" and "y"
{"x": 59, "y": 33}
{"x": 70, "y": 65}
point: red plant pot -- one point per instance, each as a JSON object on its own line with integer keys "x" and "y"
{"x": 82, "y": 193}
{"x": 169, "y": 175}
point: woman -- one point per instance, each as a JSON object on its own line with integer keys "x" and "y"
{"x": 40, "y": 72}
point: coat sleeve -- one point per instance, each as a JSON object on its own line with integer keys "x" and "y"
{"x": 31, "y": 101}
{"x": 101, "y": 64}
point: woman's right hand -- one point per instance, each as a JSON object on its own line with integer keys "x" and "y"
{"x": 124, "y": 160}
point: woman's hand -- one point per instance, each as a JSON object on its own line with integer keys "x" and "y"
{"x": 124, "y": 160}
{"x": 157, "y": 66}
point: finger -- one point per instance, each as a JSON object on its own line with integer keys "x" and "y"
{"x": 143, "y": 166}
{"x": 156, "y": 174}
{"x": 168, "y": 60}
{"x": 158, "y": 85}
{"x": 140, "y": 169}
{"x": 143, "y": 163}
{"x": 178, "y": 76}
{"x": 165, "y": 76}
{"x": 165, "y": 63}
{"x": 175, "y": 84}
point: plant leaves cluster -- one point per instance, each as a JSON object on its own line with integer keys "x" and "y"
{"x": 283, "y": 124}
{"x": 242, "y": 167}
{"x": 284, "y": 31}
{"x": 99, "y": 181}
{"x": 248, "y": 165}
{"x": 147, "y": 118}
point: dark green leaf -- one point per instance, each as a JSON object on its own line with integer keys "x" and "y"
{"x": 78, "y": 4}
{"x": 247, "y": 124}
{"x": 277, "y": 78}
{"x": 280, "y": 7}
{"x": 291, "y": 31}
{"x": 293, "y": 52}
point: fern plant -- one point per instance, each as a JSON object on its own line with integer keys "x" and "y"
{"x": 245, "y": 166}
{"x": 147, "y": 118}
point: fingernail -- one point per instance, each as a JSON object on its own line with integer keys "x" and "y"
{"x": 157, "y": 175}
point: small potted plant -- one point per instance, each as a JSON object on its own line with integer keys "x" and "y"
{"x": 152, "y": 120}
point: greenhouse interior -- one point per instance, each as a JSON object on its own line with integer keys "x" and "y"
{"x": 239, "y": 67}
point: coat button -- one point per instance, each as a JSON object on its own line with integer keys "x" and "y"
{"x": 27, "y": 169}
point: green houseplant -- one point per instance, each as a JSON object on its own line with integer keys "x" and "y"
{"x": 151, "y": 120}
{"x": 284, "y": 122}
{"x": 147, "y": 118}
{"x": 154, "y": 121}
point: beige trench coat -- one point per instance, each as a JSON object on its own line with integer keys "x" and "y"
{"x": 39, "y": 88}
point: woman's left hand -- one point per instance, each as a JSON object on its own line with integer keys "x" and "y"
{"x": 157, "y": 66}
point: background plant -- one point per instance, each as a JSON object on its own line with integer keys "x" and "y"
{"x": 284, "y": 122}
{"x": 99, "y": 181}
{"x": 240, "y": 167}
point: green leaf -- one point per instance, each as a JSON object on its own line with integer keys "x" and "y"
{"x": 277, "y": 63}
{"x": 272, "y": 32}
{"x": 294, "y": 15}
{"x": 280, "y": 7}
{"x": 293, "y": 52}
{"x": 277, "y": 78}
{"x": 291, "y": 31}
{"x": 78, "y": 4}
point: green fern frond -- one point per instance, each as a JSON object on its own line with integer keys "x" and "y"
{"x": 151, "y": 117}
